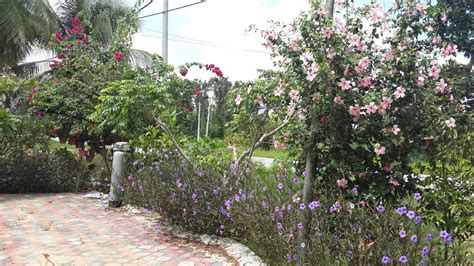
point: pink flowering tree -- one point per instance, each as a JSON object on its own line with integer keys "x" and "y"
{"x": 367, "y": 86}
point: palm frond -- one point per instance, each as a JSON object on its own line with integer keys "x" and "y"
{"x": 140, "y": 58}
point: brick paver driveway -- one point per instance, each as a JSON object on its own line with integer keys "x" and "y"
{"x": 66, "y": 229}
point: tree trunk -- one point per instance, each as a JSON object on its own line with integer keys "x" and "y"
{"x": 310, "y": 173}
{"x": 311, "y": 163}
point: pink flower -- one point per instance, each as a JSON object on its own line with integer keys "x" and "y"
{"x": 29, "y": 98}
{"x": 238, "y": 99}
{"x": 58, "y": 36}
{"x": 449, "y": 50}
{"x": 379, "y": 149}
{"x": 421, "y": 7}
{"x": 385, "y": 104}
{"x": 442, "y": 87}
{"x": 85, "y": 39}
{"x": 294, "y": 95}
{"x": 388, "y": 167}
{"x": 342, "y": 183}
{"x": 434, "y": 72}
{"x": 363, "y": 64}
{"x": 395, "y": 130}
{"x": 39, "y": 113}
{"x": 355, "y": 112}
{"x": 420, "y": 81}
{"x": 68, "y": 46}
{"x": 450, "y": 122}
{"x": 338, "y": 100}
{"x": 76, "y": 30}
{"x": 344, "y": 84}
{"x": 75, "y": 22}
{"x": 393, "y": 182}
{"x": 278, "y": 90}
{"x": 400, "y": 92}
{"x": 327, "y": 33}
{"x": 437, "y": 39}
{"x": 197, "y": 92}
{"x": 34, "y": 91}
{"x": 371, "y": 108}
{"x": 118, "y": 55}
{"x": 340, "y": 4}
{"x": 365, "y": 81}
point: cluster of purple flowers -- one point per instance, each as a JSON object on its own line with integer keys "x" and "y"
{"x": 446, "y": 236}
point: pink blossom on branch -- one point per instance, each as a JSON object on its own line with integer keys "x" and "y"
{"x": 451, "y": 123}
{"x": 379, "y": 149}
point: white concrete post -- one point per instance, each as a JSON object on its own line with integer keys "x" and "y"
{"x": 118, "y": 173}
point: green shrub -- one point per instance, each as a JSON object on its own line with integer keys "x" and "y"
{"x": 41, "y": 172}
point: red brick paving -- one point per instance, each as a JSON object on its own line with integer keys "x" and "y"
{"x": 66, "y": 229}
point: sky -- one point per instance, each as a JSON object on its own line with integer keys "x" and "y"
{"x": 215, "y": 32}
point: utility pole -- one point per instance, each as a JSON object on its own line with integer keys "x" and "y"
{"x": 208, "y": 115}
{"x": 165, "y": 31}
{"x": 199, "y": 122}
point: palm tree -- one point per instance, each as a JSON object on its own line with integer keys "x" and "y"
{"x": 28, "y": 24}
{"x": 24, "y": 24}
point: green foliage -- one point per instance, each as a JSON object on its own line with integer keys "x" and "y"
{"x": 128, "y": 107}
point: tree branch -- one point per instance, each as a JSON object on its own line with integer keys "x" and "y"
{"x": 168, "y": 131}
{"x": 263, "y": 137}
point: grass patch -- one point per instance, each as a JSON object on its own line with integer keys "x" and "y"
{"x": 54, "y": 144}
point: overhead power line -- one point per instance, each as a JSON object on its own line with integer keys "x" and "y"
{"x": 173, "y": 9}
{"x": 182, "y": 37}
{"x": 209, "y": 44}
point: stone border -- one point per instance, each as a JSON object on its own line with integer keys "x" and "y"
{"x": 244, "y": 255}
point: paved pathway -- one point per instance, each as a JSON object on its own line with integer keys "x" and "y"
{"x": 66, "y": 229}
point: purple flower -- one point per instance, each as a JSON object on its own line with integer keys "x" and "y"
{"x": 314, "y": 204}
{"x": 237, "y": 198}
{"x": 355, "y": 191}
{"x": 402, "y": 234}
{"x": 215, "y": 191}
{"x": 424, "y": 252}
{"x": 296, "y": 180}
{"x": 305, "y": 174}
{"x": 280, "y": 186}
{"x": 418, "y": 220}
{"x": 448, "y": 239}
{"x": 414, "y": 238}
{"x": 288, "y": 257}
{"x": 411, "y": 214}
{"x": 302, "y": 206}
{"x": 227, "y": 203}
{"x": 402, "y": 210}
{"x": 279, "y": 225}
{"x": 336, "y": 207}
{"x": 380, "y": 208}
{"x": 403, "y": 259}
{"x": 429, "y": 237}
{"x": 443, "y": 234}
{"x": 386, "y": 260}
{"x": 417, "y": 196}
{"x": 300, "y": 226}
{"x": 194, "y": 196}
{"x": 234, "y": 168}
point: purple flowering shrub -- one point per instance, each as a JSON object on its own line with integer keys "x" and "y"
{"x": 263, "y": 209}
{"x": 40, "y": 172}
